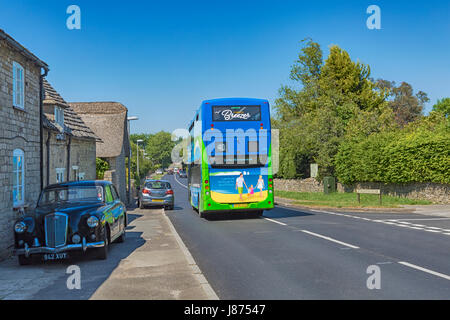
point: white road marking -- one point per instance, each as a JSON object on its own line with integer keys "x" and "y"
{"x": 329, "y": 239}
{"x": 423, "y": 219}
{"x": 396, "y": 222}
{"x": 175, "y": 177}
{"x": 274, "y": 221}
{"x": 425, "y": 270}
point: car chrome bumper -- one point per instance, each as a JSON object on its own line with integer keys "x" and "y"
{"x": 70, "y": 247}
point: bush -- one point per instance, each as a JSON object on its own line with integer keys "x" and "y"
{"x": 418, "y": 153}
{"x": 101, "y": 167}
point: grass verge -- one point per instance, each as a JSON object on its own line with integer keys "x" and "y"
{"x": 347, "y": 200}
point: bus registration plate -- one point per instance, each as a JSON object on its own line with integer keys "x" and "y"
{"x": 240, "y": 205}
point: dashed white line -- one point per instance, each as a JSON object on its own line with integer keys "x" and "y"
{"x": 274, "y": 221}
{"x": 425, "y": 270}
{"x": 175, "y": 177}
{"x": 329, "y": 239}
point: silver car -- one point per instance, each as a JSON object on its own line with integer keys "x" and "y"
{"x": 155, "y": 193}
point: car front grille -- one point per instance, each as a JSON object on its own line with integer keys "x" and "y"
{"x": 56, "y": 229}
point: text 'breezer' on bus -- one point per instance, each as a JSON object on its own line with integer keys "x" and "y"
{"x": 229, "y": 160}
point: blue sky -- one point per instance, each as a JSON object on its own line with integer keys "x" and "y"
{"x": 162, "y": 58}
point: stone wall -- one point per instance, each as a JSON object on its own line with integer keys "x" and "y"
{"x": 438, "y": 193}
{"x": 19, "y": 129}
{"x": 82, "y": 155}
{"x": 117, "y": 175}
{"x": 304, "y": 185}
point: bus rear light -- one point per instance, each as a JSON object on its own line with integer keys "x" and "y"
{"x": 206, "y": 181}
{"x": 207, "y": 187}
{"x": 270, "y": 202}
{"x": 270, "y": 186}
{"x": 209, "y": 204}
{"x": 270, "y": 179}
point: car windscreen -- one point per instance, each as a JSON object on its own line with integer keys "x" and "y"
{"x": 236, "y": 113}
{"x": 71, "y": 194}
{"x": 157, "y": 185}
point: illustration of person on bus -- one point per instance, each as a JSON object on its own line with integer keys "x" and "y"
{"x": 240, "y": 182}
{"x": 260, "y": 185}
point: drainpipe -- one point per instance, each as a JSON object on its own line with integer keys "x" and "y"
{"x": 68, "y": 158}
{"x": 48, "y": 157}
{"x": 41, "y": 125}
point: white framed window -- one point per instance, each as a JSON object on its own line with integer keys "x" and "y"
{"x": 60, "y": 175}
{"x": 18, "y": 86}
{"x": 59, "y": 116}
{"x": 18, "y": 177}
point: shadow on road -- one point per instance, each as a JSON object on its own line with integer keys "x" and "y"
{"x": 232, "y": 216}
{"x": 283, "y": 212}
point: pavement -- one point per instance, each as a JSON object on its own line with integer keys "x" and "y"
{"x": 301, "y": 253}
{"x": 153, "y": 263}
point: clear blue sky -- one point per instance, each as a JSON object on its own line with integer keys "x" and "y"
{"x": 162, "y": 58}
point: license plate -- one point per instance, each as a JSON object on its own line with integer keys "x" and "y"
{"x": 55, "y": 256}
{"x": 156, "y": 200}
{"x": 240, "y": 206}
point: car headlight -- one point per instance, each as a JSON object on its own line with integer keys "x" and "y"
{"x": 92, "y": 221}
{"x": 20, "y": 227}
{"x": 76, "y": 238}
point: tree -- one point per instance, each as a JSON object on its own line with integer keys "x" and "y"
{"x": 442, "y": 106}
{"x": 159, "y": 149}
{"x": 406, "y": 105}
{"x": 314, "y": 119}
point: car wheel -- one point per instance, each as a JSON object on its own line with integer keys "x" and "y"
{"x": 122, "y": 237}
{"x": 102, "y": 253}
{"x": 24, "y": 261}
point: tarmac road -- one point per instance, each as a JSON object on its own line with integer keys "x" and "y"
{"x": 307, "y": 254}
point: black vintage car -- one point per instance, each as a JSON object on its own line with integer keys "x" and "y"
{"x": 72, "y": 216}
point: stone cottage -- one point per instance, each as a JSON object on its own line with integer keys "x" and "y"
{"x": 108, "y": 120}
{"x": 69, "y": 145}
{"x": 21, "y": 78}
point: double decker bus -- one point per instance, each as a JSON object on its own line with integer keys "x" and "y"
{"x": 229, "y": 158}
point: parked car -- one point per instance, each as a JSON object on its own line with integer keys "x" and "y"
{"x": 170, "y": 171}
{"x": 72, "y": 216}
{"x": 156, "y": 193}
{"x": 159, "y": 171}
{"x": 182, "y": 174}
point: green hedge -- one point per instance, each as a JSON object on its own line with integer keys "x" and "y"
{"x": 418, "y": 153}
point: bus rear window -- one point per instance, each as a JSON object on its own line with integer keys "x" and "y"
{"x": 236, "y": 113}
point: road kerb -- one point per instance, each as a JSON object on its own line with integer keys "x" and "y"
{"x": 209, "y": 291}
